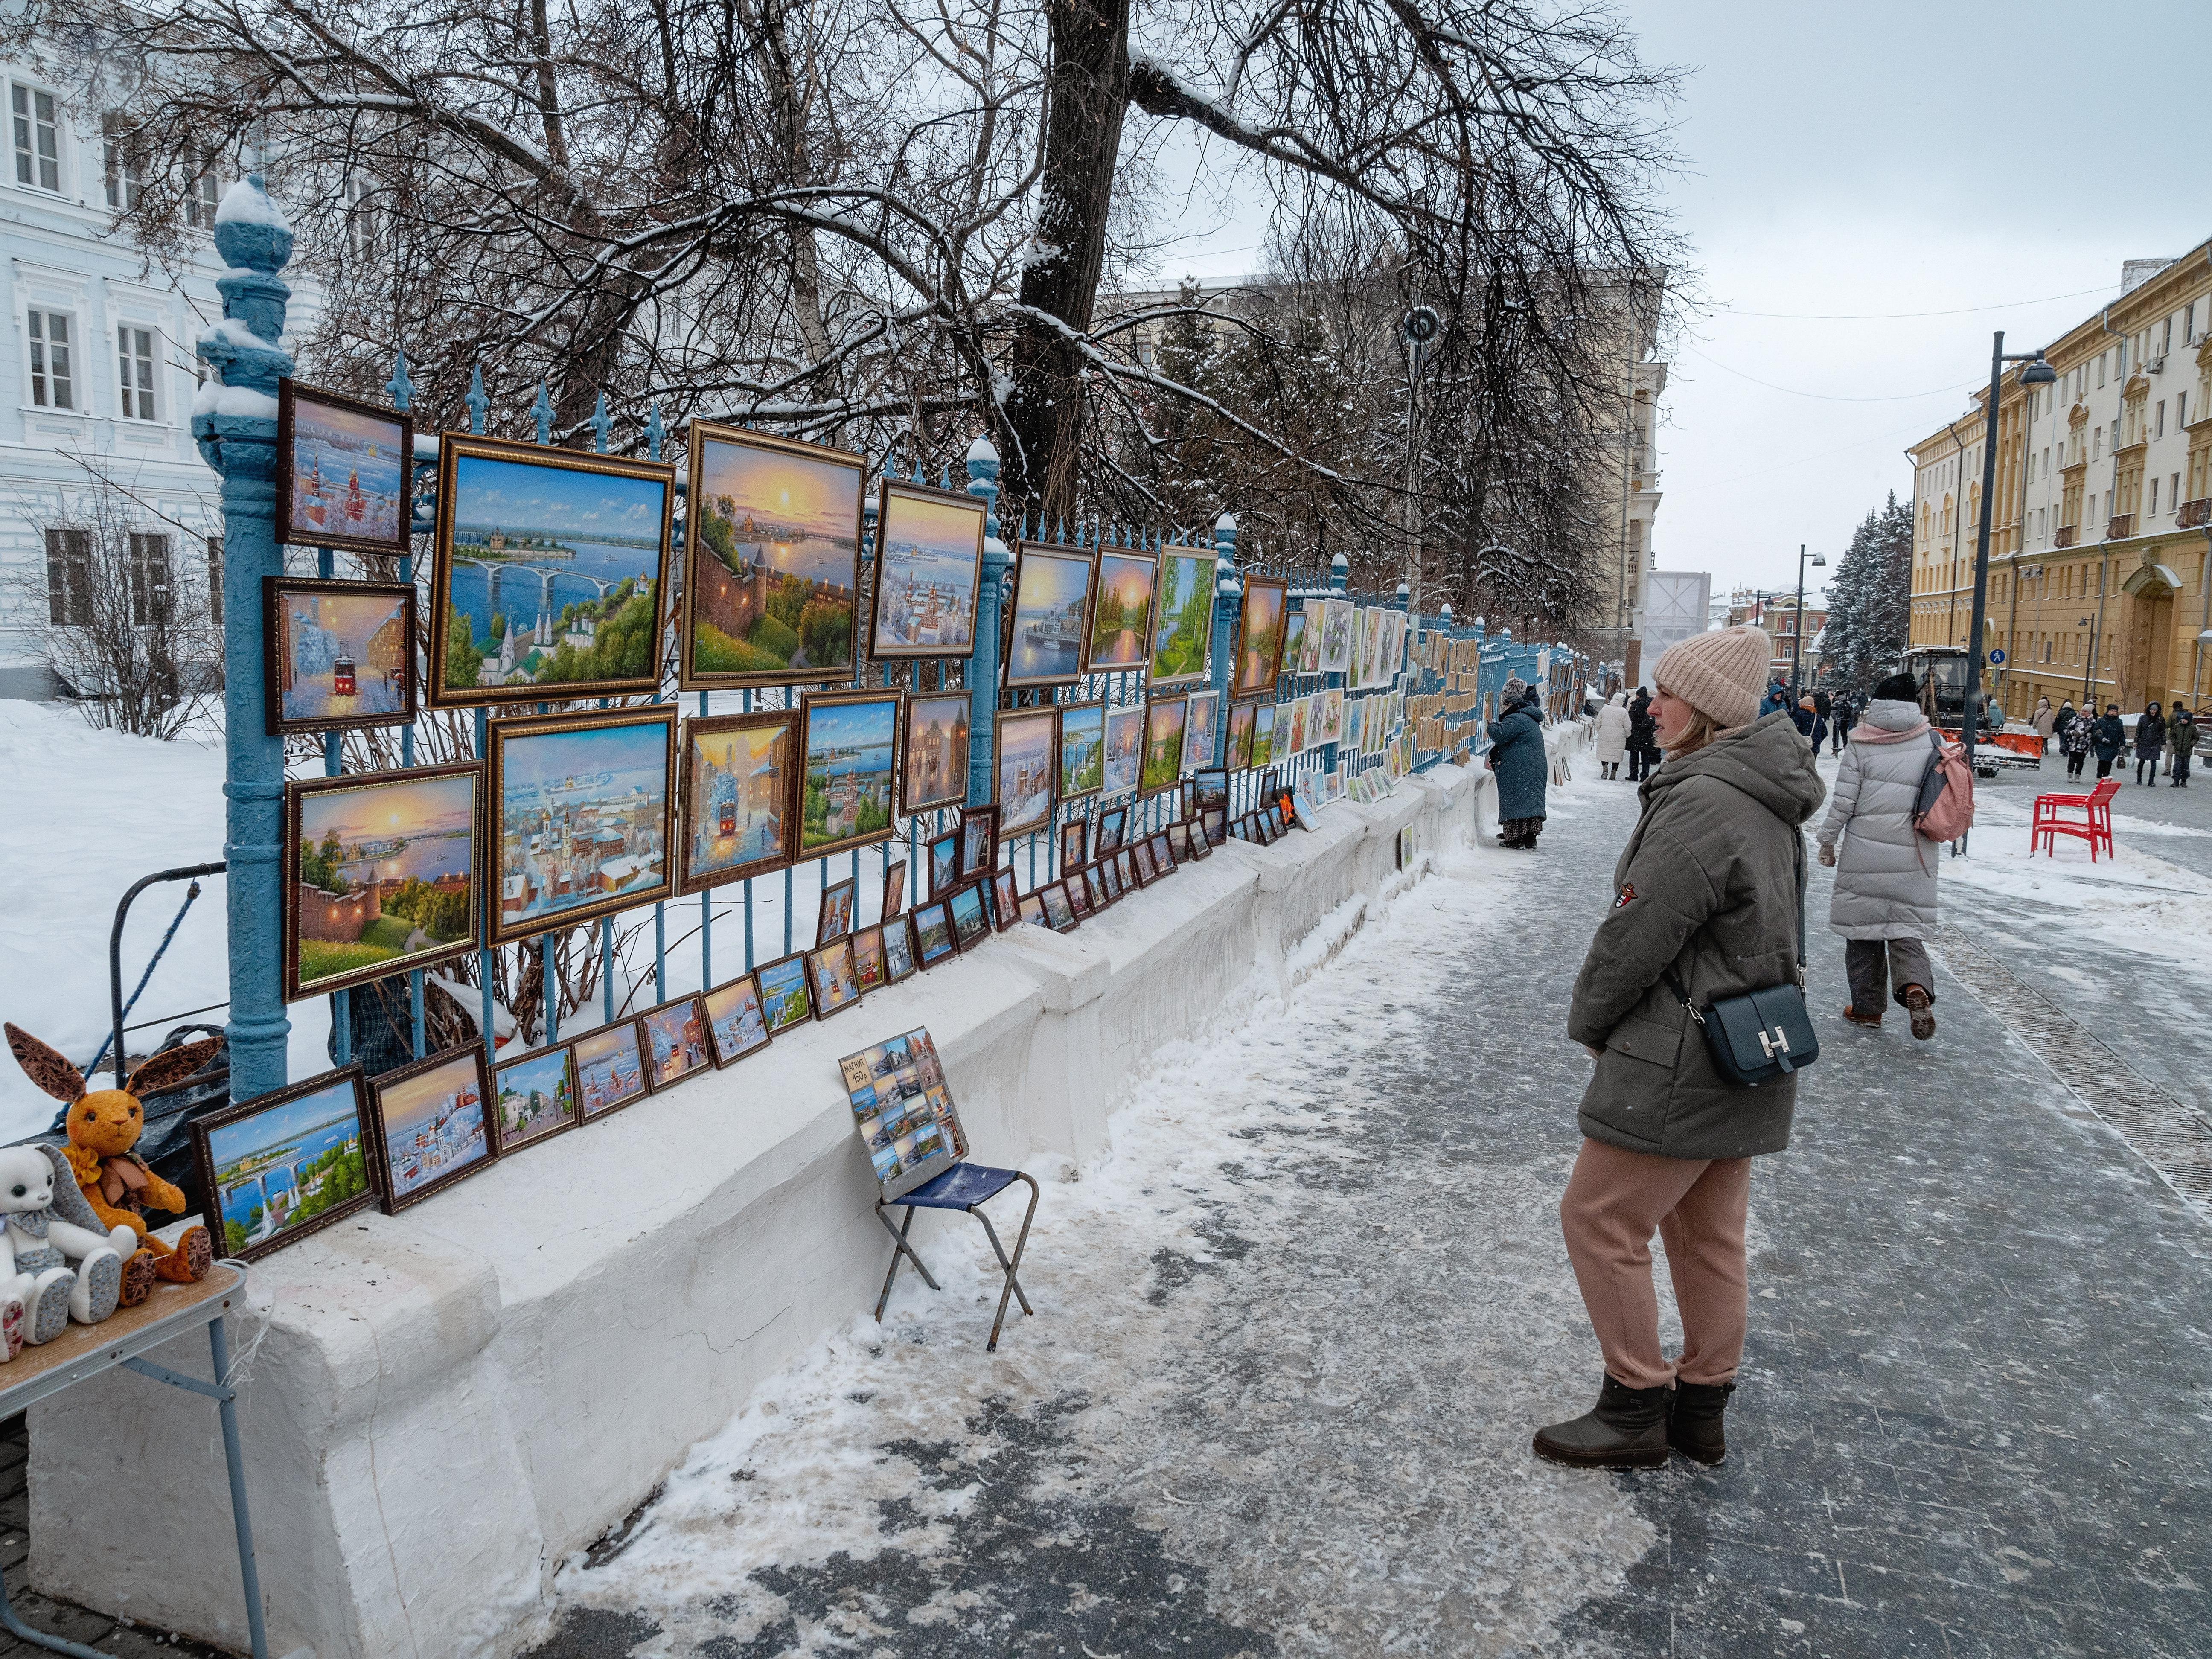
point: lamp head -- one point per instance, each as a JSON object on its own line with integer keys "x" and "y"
{"x": 2038, "y": 372}
{"x": 1819, "y": 561}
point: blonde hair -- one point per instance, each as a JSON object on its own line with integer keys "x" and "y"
{"x": 1701, "y": 731}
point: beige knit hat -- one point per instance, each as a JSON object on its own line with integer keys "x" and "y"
{"x": 1721, "y": 674}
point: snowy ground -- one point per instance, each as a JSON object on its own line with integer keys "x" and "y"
{"x": 1292, "y": 1338}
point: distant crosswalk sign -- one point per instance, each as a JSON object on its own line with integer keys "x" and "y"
{"x": 1996, "y": 656}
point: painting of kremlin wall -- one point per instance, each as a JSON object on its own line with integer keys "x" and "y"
{"x": 775, "y": 561}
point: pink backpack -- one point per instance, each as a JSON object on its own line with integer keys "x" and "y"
{"x": 1945, "y": 809}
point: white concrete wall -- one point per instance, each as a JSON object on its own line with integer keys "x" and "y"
{"x": 446, "y": 1403}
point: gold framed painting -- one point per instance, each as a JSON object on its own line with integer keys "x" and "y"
{"x": 1259, "y": 651}
{"x": 929, "y": 553}
{"x": 1052, "y": 598}
{"x": 1026, "y": 745}
{"x": 1121, "y": 631}
{"x": 740, "y": 796}
{"x": 848, "y": 794}
{"x": 936, "y": 750}
{"x": 1183, "y": 624}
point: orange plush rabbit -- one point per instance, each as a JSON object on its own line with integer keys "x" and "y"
{"x": 103, "y": 1126}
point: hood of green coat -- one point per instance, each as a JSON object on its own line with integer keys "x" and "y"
{"x": 1769, "y": 760}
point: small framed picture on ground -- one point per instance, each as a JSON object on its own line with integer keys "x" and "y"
{"x": 1033, "y": 907}
{"x": 979, "y": 842}
{"x": 1179, "y": 841}
{"x": 898, "y": 949}
{"x": 943, "y": 864}
{"x": 786, "y": 1000}
{"x": 1163, "y": 853}
{"x": 288, "y": 1163}
{"x": 835, "y": 983}
{"x": 1005, "y": 899}
{"x": 833, "y": 916}
{"x": 433, "y": 1124}
{"x": 1141, "y": 856}
{"x": 970, "y": 923}
{"x": 537, "y": 1098}
{"x": 675, "y": 1038}
{"x": 1094, "y": 881}
{"x": 1071, "y": 844}
{"x": 1111, "y": 824}
{"x": 609, "y": 1068}
{"x": 932, "y": 933}
{"x": 342, "y": 471}
{"x": 1109, "y": 878}
{"x": 868, "y": 958}
{"x": 340, "y": 654}
{"x": 1059, "y": 913}
{"x": 1079, "y": 894}
{"x": 893, "y": 888}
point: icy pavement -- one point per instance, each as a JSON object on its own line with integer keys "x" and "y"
{"x": 1292, "y": 1338}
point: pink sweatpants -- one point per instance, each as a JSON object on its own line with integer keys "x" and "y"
{"x": 1614, "y": 1201}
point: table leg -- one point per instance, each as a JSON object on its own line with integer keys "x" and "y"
{"x": 234, "y": 1459}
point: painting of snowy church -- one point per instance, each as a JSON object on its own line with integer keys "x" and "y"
{"x": 343, "y": 483}
{"x": 341, "y": 655}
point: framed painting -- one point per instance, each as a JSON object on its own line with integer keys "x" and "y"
{"x": 1164, "y": 739}
{"x": 1071, "y": 844}
{"x": 536, "y": 1097}
{"x": 736, "y": 1022}
{"x": 1263, "y": 732}
{"x": 1006, "y": 898}
{"x": 433, "y": 1124}
{"x": 1213, "y": 823}
{"x": 1332, "y": 715}
{"x": 1125, "y": 866}
{"x": 344, "y": 472}
{"x": 1294, "y": 640}
{"x": 1112, "y": 823}
{"x": 1316, "y": 612}
{"x": 936, "y": 750}
{"x": 1059, "y": 913}
{"x": 381, "y": 874}
{"x": 1082, "y": 748}
{"x": 1180, "y": 843}
{"x": 1210, "y": 788}
{"x": 833, "y": 916}
{"x": 1198, "y": 733}
{"x": 943, "y": 863}
{"x": 1259, "y": 649}
{"x": 1239, "y": 756}
{"x": 1333, "y": 655}
{"x": 740, "y": 796}
{"x": 894, "y": 890}
{"x": 1079, "y": 894}
{"x": 609, "y": 1068}
{"x": 579, "y": 815}
{"x": 1355, "y": 723}
{"x": 675, "y": 1038}
{"x": 1052, "y": 598}
{"x": 1125, "y": 748}
{"x": 772, "y": 561}
{"x": 1164, "y": 861}
{"x": 1026, "y": 745}
{"x": 1294, "y": 741}
{"x": 288, "y": 1163}
{"x": 851, "y": 760}
{"x": 1141, "y": 858}
{"x": 1121, "y": 631}
{"x": 970, "y": 923}
{"x": 786, "y": 1000}
{"x": 868, "y": 958}
{"x": 340, "y": 654}
{"x": 1094, "y": 882}
{"x": 898, "y": 950}
{"x": 546, "y": 573}
{"x": 1109, "y": 876}
{"x": 1032, "y": 908}
{"x": 932, "y": 933}
{"x": 833, "y": 978}
{"x": 1184, "y": 625}
{"x": 929, "y": 547}
{"x": 979, "y": 841}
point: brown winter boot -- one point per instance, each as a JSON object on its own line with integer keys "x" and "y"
{"x": 1693, "y": 1427}
{"x": 1872, "y": 1022}
{"x": 1625, "y": 1430}
{"x": 1923, "y": 1023}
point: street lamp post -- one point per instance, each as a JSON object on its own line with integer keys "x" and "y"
{"x": 1797, "y": 627}
{"x": 2037, "y": 372}
{"x": 1420, "y": 326}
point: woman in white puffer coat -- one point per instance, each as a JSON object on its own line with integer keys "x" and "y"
{"x": 1611, "y": 739}
{"x": 1885, "y": 896}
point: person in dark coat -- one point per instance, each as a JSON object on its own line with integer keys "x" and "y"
{"x": 2150, "y": 741}
{"x": 2180, "y": 746}
{"x": 1643, "y": 738}
{"x": 1517, "y": 757}
{"x": 2108, "y": 735}
{"x": 2077, "y": 736}
{"x": 1777, "y": 697}
{"x": 1705, "y": 894}
{"x": 1840, "y": 733}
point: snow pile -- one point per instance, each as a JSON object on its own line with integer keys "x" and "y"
{"x": 247, "y": 203}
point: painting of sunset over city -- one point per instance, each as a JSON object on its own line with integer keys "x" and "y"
{"x": 774, "y": 561}
{"x": 931, "y": 546}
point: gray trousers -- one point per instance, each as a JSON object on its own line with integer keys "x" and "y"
{"x": 1907, "y": 964}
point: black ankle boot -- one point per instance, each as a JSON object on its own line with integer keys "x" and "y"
{"x": 1625, "y": 1430}
{"x": 1693, "y": 1428}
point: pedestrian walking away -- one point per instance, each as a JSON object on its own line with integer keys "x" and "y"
{"x": 2180, "y": 745}
{"x": 1642, "y": 735}
{"x": 1840, "y": 732}
{"x": 1610, "y": 744}
{"x": 1820, "y": 731}
{"x": 2045, "y": 718}
{"x": 1884, "y": 901}
{"x": 1707, "y": 894}
{"x": 2150, "y": 741}
{"x": 1517, "y": 757}
{"x": 2108, "y": 735}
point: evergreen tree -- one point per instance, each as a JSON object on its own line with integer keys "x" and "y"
{"x": 1871, "y": 600}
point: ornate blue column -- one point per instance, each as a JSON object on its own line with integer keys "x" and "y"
{"x": 983, "y": 661}
{"x": 235, "y": 424}
{"x": 1340, "y": 572}
{"x": 1228, "y": 600}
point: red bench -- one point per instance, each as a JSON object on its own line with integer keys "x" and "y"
{"x": 2094, "y": 825}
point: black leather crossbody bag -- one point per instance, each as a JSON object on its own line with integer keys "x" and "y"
{"x": 1760, "y": 1036}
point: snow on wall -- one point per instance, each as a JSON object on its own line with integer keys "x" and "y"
{"x": 445, "y": 1404}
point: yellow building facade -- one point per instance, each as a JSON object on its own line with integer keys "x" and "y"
{"x": 2101, "y": 512}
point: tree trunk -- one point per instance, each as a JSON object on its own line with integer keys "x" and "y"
{"x": 1089, "y": 90}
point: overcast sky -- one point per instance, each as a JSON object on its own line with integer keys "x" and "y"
{"x": 1846, "y": 165}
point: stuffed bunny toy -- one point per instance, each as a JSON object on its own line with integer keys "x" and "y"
{"x": 38, "y": 1244}
{"x": 104, "y": 1126}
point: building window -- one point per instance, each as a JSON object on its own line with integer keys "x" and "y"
{"x": 201, "y": 199}
{"x": 136, "y": 351}
{"x": 361, "y": 218}
{"x": 37, "y": 137}
{"x": 52, "y": 386}
{"x": 149, "y": 578}
{"x": 69, "y": 577}
{"x": 119, "y": 161}
{"x": 214, "y": 579}
{"x": 2154, "y": 498}
{"x": 2173, "y": 492}
{"x": 2161, "y": 433}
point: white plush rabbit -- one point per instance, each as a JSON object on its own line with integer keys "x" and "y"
{"x": 36, "y": 1249}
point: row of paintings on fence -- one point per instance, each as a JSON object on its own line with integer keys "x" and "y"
{"x": 550, "y": 569}
{"x": 279, "y": 1168}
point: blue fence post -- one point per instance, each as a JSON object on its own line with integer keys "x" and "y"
{"x": 238, "y": 438}
{"x": 983, "y": 661}
{"x": 1228, "y": 600}
{"x": 1339, "y": 572}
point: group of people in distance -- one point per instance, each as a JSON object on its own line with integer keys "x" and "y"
{"x": 2163, "y": 739}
